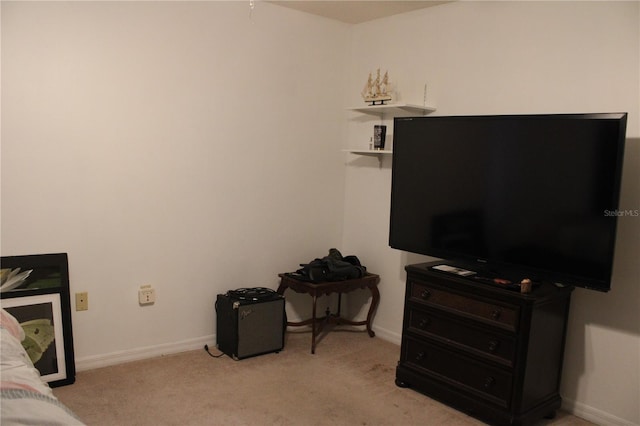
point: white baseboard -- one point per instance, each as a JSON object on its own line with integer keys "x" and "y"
{"x": 120, "y": 357}
{"x": 137, "y": 354}
{"x": 389, "y": 336}
{"x": 594, "y": 415}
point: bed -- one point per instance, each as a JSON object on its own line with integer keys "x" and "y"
{"x": 24, "y": 398}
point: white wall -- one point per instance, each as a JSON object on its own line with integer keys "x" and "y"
{"x": 187, "y": 145}
{"x": 513, "y": 57}
{"x": 196, "y": 148}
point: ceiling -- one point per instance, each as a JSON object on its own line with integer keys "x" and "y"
{"x": 356, "y": 11}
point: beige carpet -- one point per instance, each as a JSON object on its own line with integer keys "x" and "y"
{"x": 349, "y": 381}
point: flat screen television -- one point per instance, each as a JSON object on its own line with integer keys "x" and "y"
{"x": 513, "y": 196}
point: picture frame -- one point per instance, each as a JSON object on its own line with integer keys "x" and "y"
{"x": 41, "y": 318}
{"x": 35, "y": 290}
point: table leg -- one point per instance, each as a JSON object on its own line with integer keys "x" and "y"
{"x": 374, "y": 304}
{"x": 313, "y": 325}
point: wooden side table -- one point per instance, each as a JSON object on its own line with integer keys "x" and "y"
{"x": 315, "y": 290}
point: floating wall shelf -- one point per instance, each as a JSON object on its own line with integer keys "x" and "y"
{"x": 392, "y": 110}
{"x": 395, "y": 109}
{"x": 368, "y": 151}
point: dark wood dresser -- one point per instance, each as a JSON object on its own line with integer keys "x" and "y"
{"x": 494, "y": 353}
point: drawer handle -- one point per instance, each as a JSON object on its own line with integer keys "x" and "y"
{"x": 493, "y": 345}
{"x": 425, "y": 294}
{"x": 424, "y": 322}
{"x": 495, "y": 314}
{"x": 420, "y": 356}
{"x": 489, "y": 382}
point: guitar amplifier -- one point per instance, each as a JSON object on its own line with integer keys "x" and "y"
{"x": 249, "y": 322}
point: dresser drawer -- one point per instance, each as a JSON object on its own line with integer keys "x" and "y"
{"x": 496, "y": 346}
{"x": 504, "y": 316}
{"x": 462, "y": 372}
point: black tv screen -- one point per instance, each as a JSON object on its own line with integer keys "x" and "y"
{"x": 532, "y": 196}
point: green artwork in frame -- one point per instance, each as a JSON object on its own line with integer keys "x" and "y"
{"x": 19, "y": 278}
{"x": 35, "y": 290}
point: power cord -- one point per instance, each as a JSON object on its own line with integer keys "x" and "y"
{"x": 206, "y": 348}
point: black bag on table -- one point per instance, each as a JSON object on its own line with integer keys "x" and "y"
{"x": 333, "y": 267}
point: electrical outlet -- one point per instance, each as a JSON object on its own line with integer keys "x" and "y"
{"x": 82, "y": 301}
{"x": 146, "y": 295}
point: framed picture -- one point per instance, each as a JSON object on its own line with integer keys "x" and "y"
{"x": 41, "y": 319}
{"x": 35, "y": 290}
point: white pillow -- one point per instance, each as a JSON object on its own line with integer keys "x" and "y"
{"x": 11, "y": 324}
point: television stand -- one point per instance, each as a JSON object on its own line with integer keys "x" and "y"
{"x": 491, "y": 352}
{"x": 490, "y": 278}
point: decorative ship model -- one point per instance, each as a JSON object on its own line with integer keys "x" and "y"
{"x": 377, "y": 92}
